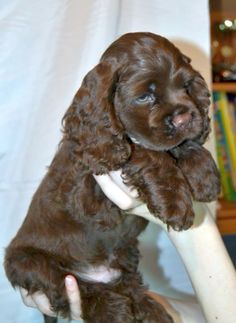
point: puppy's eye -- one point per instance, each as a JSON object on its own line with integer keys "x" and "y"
{"x": 187, "y": 84}
{"x": 145, "y": 98}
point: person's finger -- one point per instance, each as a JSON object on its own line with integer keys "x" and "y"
{"x": 73, "y": 296}
{"x": 143, "y": 211}
{"x": 114, "y": 192}
{"x": 42, "y": 303}
{"x": 26, "y": 298}
{"x": 118, "y": 179}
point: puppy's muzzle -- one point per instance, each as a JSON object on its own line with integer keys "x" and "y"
{"x": 179, "y": 119}
{"x": 182, "y": 119}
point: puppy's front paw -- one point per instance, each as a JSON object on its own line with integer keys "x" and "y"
{"x": 207, "y": 190}
{"x": 174, "y": 209}
{"x": 179, "y": 218}
{"x": 199, "y": 170}
{"x": 203, "y": 176}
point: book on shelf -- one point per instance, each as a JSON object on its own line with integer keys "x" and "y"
{"x": 225, "y": 130}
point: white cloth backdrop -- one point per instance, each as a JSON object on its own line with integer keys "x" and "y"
{"x": 46, "y": 47}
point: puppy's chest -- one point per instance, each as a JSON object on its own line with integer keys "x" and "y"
{"x": 105, "y": 262}
{"x": 99, "y": 274}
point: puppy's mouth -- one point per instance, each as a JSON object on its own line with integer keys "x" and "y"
{"x": 134, "y": 140}
{"x": 143, "y": 143}
{"x": 148, "y": 144}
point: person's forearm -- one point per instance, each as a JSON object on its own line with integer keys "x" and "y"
{"x": 207, "y": 263}
{"x": 210, "y": 269}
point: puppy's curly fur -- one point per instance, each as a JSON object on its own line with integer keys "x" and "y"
{"x": 144, "y": 109}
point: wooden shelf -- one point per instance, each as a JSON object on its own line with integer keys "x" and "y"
{"x": 224, "y": 86}
{"x": 226, "y": 217}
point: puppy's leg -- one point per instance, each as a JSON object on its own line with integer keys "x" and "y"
{"x": 103, "y": 304}
{"x": 38, "y": 271}
{"x": 144, "y": 308}
{"x": 199, "y": 169}
{"x": 122, "y": 302}
{"x": 162, "y": 186}
{"x": 49, "y": 319}
{"x": 149, "y": 311}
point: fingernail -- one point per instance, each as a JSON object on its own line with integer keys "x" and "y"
{"x": 69, "y": 281}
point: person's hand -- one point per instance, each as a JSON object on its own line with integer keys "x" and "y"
{"x": 114, "y": 188}
{"x": 124, "y": 197}
{"x": 40, "y": 301}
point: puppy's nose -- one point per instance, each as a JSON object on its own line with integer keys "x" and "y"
{"x": 181, "y": 119}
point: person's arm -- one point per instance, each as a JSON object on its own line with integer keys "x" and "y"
{"x": 210, "y": 269}
{"x": 207, "y": 262}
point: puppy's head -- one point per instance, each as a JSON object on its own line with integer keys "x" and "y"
{"x": 159, "y": 98}
{"x": 144, "y": 89}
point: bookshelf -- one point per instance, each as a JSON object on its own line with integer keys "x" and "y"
{"x": 226, "y": 217}
{"x": 226, "y": 87}
{"x": 221, "y": 11}
{"x": 226, "y": 211}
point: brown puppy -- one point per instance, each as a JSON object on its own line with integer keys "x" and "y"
{"x": 144, "y": 109}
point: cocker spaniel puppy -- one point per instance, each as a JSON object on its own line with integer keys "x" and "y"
{"x": 144, "y": 109}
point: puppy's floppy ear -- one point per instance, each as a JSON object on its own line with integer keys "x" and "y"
{"x": 91, "y": 122}
{"x": 199, "y": 92}
{"x": 186, "y": 59}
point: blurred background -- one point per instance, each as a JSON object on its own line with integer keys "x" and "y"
{"x": 223, "y": 61}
